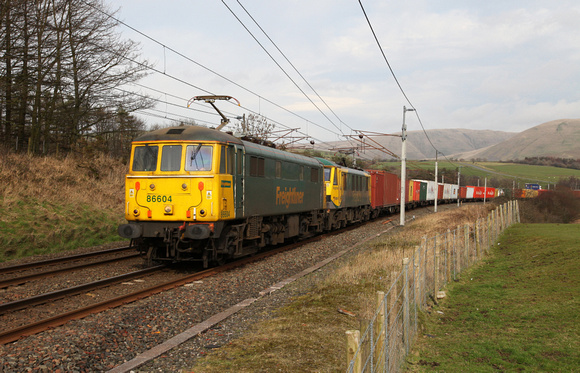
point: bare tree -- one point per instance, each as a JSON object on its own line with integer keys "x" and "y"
{"x": 62, "y": 64}
{"x": 254, "y": 125}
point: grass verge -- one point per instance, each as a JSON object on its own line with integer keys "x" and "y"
{"x": 309, "y": 334}
{"x": 519, "y": 311}
{"x": 50, "y": 204}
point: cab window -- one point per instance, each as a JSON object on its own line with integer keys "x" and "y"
{"x": 327, "y": 174}
{"x": 171, "y": 158}
{"x": 227, "y": 160}
{"x": 145, "y": 158}
{"x": 198, "y": 157}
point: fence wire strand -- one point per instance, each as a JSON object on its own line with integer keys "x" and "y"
{"x": 387, "y": 339}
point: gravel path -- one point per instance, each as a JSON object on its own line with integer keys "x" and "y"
{"x": 101, "y": 342}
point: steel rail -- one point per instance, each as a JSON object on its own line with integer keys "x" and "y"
{"x": 40, "y": 326}
{"x": 37, "y": 327}
{"x": 36, "y": 276}
{"x": 42, "y": 263}
{"x": 58, "y": 294}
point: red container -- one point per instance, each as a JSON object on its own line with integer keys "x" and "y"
{"x": 490, "y": 193}
{"x": 416, "y": 191}
{"x": 385, "y": 189}
{"x": 462, "y": 192}
{"x": 478, "y": 192}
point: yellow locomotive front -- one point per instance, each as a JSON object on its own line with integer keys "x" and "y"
{"x": 180, "y": 191}
{"x": 176, "y": 182}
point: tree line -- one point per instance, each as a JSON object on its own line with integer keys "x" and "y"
{"x": 63, "y": 70}
{"x": 551, "y": 161}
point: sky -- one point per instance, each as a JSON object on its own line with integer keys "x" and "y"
{"x": 485, "y": 65}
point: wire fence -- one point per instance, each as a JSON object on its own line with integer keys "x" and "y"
{"x": 386, "y": 341}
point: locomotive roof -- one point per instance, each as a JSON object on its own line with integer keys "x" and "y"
{"x": 282, "y": 155}
{"x": 326, "y": 162}
{"x": 188, "y": 133}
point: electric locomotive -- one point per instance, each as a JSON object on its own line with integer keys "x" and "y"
{"x": 198, "y": 194}
{"x": 348, "y": 194}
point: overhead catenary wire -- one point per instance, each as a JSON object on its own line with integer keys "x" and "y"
{"x": 228, "y": 114}
{"x": 280, "y": 67}
{"x": 289, "y": 62}
{"x": 164, "y": 72}
{"x": 397, "y": 80}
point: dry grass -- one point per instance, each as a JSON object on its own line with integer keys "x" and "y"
{"x": 50, "y": 204}
{"x": 308, "y": 335}
{"x": 94, "y": 181}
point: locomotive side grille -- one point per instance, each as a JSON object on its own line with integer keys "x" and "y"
{"x": 254, "y": 224}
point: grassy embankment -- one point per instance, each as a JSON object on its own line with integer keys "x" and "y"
{"x": 518, "y": 311}
{"x": 309, "y": 334}
{"x": 52, "y": 204}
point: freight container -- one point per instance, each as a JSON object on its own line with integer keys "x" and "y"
{"x": 415, "y": 190}
{"x": 463, "y": 192}
{"x": 428, "y": 190}
{"x": 470, "y": 192}
{"x": 385, "y": 189}
{"x": 454, "y": 190}
{"x": 423, "y": 191}
{"x": 478, "y": 192}
{"x": 440, "y": 191}
{"x": 490, "y": 193}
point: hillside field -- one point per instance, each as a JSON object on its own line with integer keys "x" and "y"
{"x": 512, "y": 171}
{"x": 500, "y": 316}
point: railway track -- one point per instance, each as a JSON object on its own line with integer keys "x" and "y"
{"x": 34, "y": 327}
{"x": 66, "y": 259}
{"x": 19, "y": 280}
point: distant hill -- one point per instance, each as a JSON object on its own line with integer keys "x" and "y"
{"x": 558, "y": 138}
{"x": 448, "y": 141}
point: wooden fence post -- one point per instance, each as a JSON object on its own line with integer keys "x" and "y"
{"x": 380, "y": 351}
{"x": 392, "y": 302}
{"x": 424, "y": 279}
{"x": 406, "y": 316}
{"x": 448, "y": 256}
{"x": 494, "y": 222}
{"x": 501, "y": 222}
{"x": 352, "y": 342}
{"x": 458, "y": 253}
{"x": 391, "y": 319}
{"x": 466, "y": 233}
{"x": 417, "y": 275}
{"x": 477, "y": 243}
{"x": 486, "y": 234}
{"x": 436, "y": 274}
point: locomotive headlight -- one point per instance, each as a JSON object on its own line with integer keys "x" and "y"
{"x": 202, "y": 212}
{"x": 152, "y": 186}
{"x": 136, "y": 212}
{"x": 168, "y": 209}
{"x": 184, "y": 186}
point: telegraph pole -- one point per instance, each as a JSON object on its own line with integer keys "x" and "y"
{"x": 485, "y": 191}
{"x": 436, "y": 182}
{"x": 403, "y": 165}
{"x": 458, "y": 185}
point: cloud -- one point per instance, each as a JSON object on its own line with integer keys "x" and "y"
{"x": 481, "y": 65}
